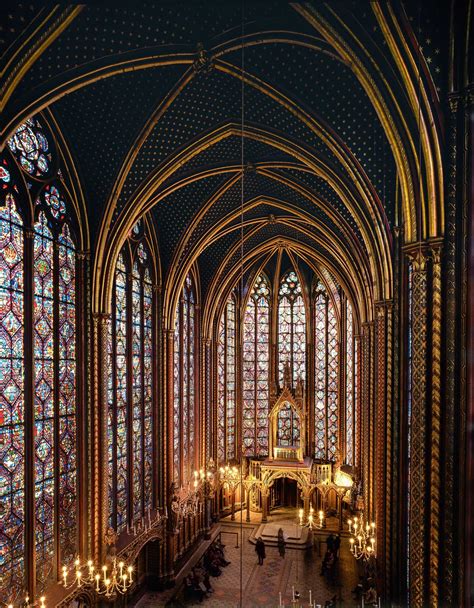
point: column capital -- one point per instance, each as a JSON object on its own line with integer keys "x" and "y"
{"x": 83, "y": 255}
{"x": 453, "y": 101}
{"x": 418, "y": 255}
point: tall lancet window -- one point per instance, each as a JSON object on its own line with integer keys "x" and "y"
{"x": 256, "y": 358}
{"x": 351, "y": 363}
{"x": 326, "y": 364}
{"x": 38, "y": 367}
{"x": 184, "y": 384}
{"x": 130, "y": 381}
{"x": 226, "y": 395}
{"x": 291, "y": 327}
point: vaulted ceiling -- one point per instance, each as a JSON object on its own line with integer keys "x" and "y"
{"x": 290, "y": 126}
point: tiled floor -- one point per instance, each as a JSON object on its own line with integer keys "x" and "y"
{"x": 250, "y": 585}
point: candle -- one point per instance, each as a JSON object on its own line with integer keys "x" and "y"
{"x": 280, "y": 604}
{"x": 97, "y": 579}
{"x": 310, "y": 596}
{"x": 379, "y": 601}
{"x": 65, "y": 575}
{"x": 293, "y": 592}
{"x": 124, "y": 578}
{"x": 350, "y": 524}
{"x": 130, "y": 569}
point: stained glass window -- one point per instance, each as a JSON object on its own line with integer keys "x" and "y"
{"x": 130, "y": 392}
{"x": 256, "y": 358}
{"x": 326, "y": 374}
{"x": 121, "y": 493}
{"x": 30, "y": 146}
{"x": 350, "y": 385}
{"x": 148, "y": 388}
{"x": 37, "y": 380}
{"x": 12, "y": 442}
{"x": 68, "y": 492}
{"x": 226, "y": 396}
{"x": 288, "y": 427}
{"x": 137, "y": 427}
{"x": 291, "y": 328}
{"x": 184, "y": 384}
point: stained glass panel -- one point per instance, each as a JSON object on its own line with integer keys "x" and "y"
{"x": 11, "y": 403}
{"x": 177, "y": 396}
{"x": 121, "y": 392}
{"x": 349, "y": 385}
{"x": 326, "y": 375}
{"x": 230, "y": 380}
{"x": 332, "y": 384}
{"x": 44, "y": 406}
{"x": 67, "y": 503}
{"x": 148, "y": 387}
{"x": 31, "y": 148}
{"x": 221, "y": 369}
{"x": 320, "y": 374}
{"x": 291, "y": 328}
{"x": 256, "y": 357}
{"x": 137, "y": 427}
{"x": 288, "y": 427}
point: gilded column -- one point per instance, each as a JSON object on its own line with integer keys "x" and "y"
{"x": 365, "y": 417}
{"x": 435, "y": 423}
{"x": 449, "y": 405}
{"x": 418, "y": 433}
{"x": 99, "y": 433}
{"x": 104, "y": 460}
{"x": 169, "y": 451}
{"x": 381, "y": 484}
{"x": 388, "y": 444}
{"x": 95, "y": 507}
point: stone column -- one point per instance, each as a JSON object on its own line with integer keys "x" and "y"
{"x": 419, "y": 505}
{"x": 381, "y": 485}
{"x": 264, "y": 505}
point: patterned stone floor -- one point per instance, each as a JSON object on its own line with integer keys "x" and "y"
{"x": 261, "y": 585}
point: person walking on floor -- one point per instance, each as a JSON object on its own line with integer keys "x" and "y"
{"x": 281, "y": 542}
{"x": 260, "y": 550}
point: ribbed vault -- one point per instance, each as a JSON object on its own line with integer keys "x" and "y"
{"x": 320, "y": 104}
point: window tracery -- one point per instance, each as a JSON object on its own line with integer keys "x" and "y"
{"x": 226, "y": 361}
{"x": 291, "y": 327}
{"x": 256, "y": 367}
{"x": 130, "y": 382}
{"x": 326, "y": 374}
{"x": 39, "y": 360}
{"x": 184, "y": 384}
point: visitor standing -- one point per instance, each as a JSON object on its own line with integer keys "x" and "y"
{"x": 281, "y": 542}
{"x": 260, "y": 550}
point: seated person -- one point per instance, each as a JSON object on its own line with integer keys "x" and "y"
{"x": 371, "y": 596}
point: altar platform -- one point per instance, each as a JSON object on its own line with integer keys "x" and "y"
{"x": 296, "y": 537}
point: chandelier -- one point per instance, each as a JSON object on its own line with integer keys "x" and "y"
{"x": 310, "y": 521}
{"x": 362, "y": 541}
{"x": 105, "y": 580}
